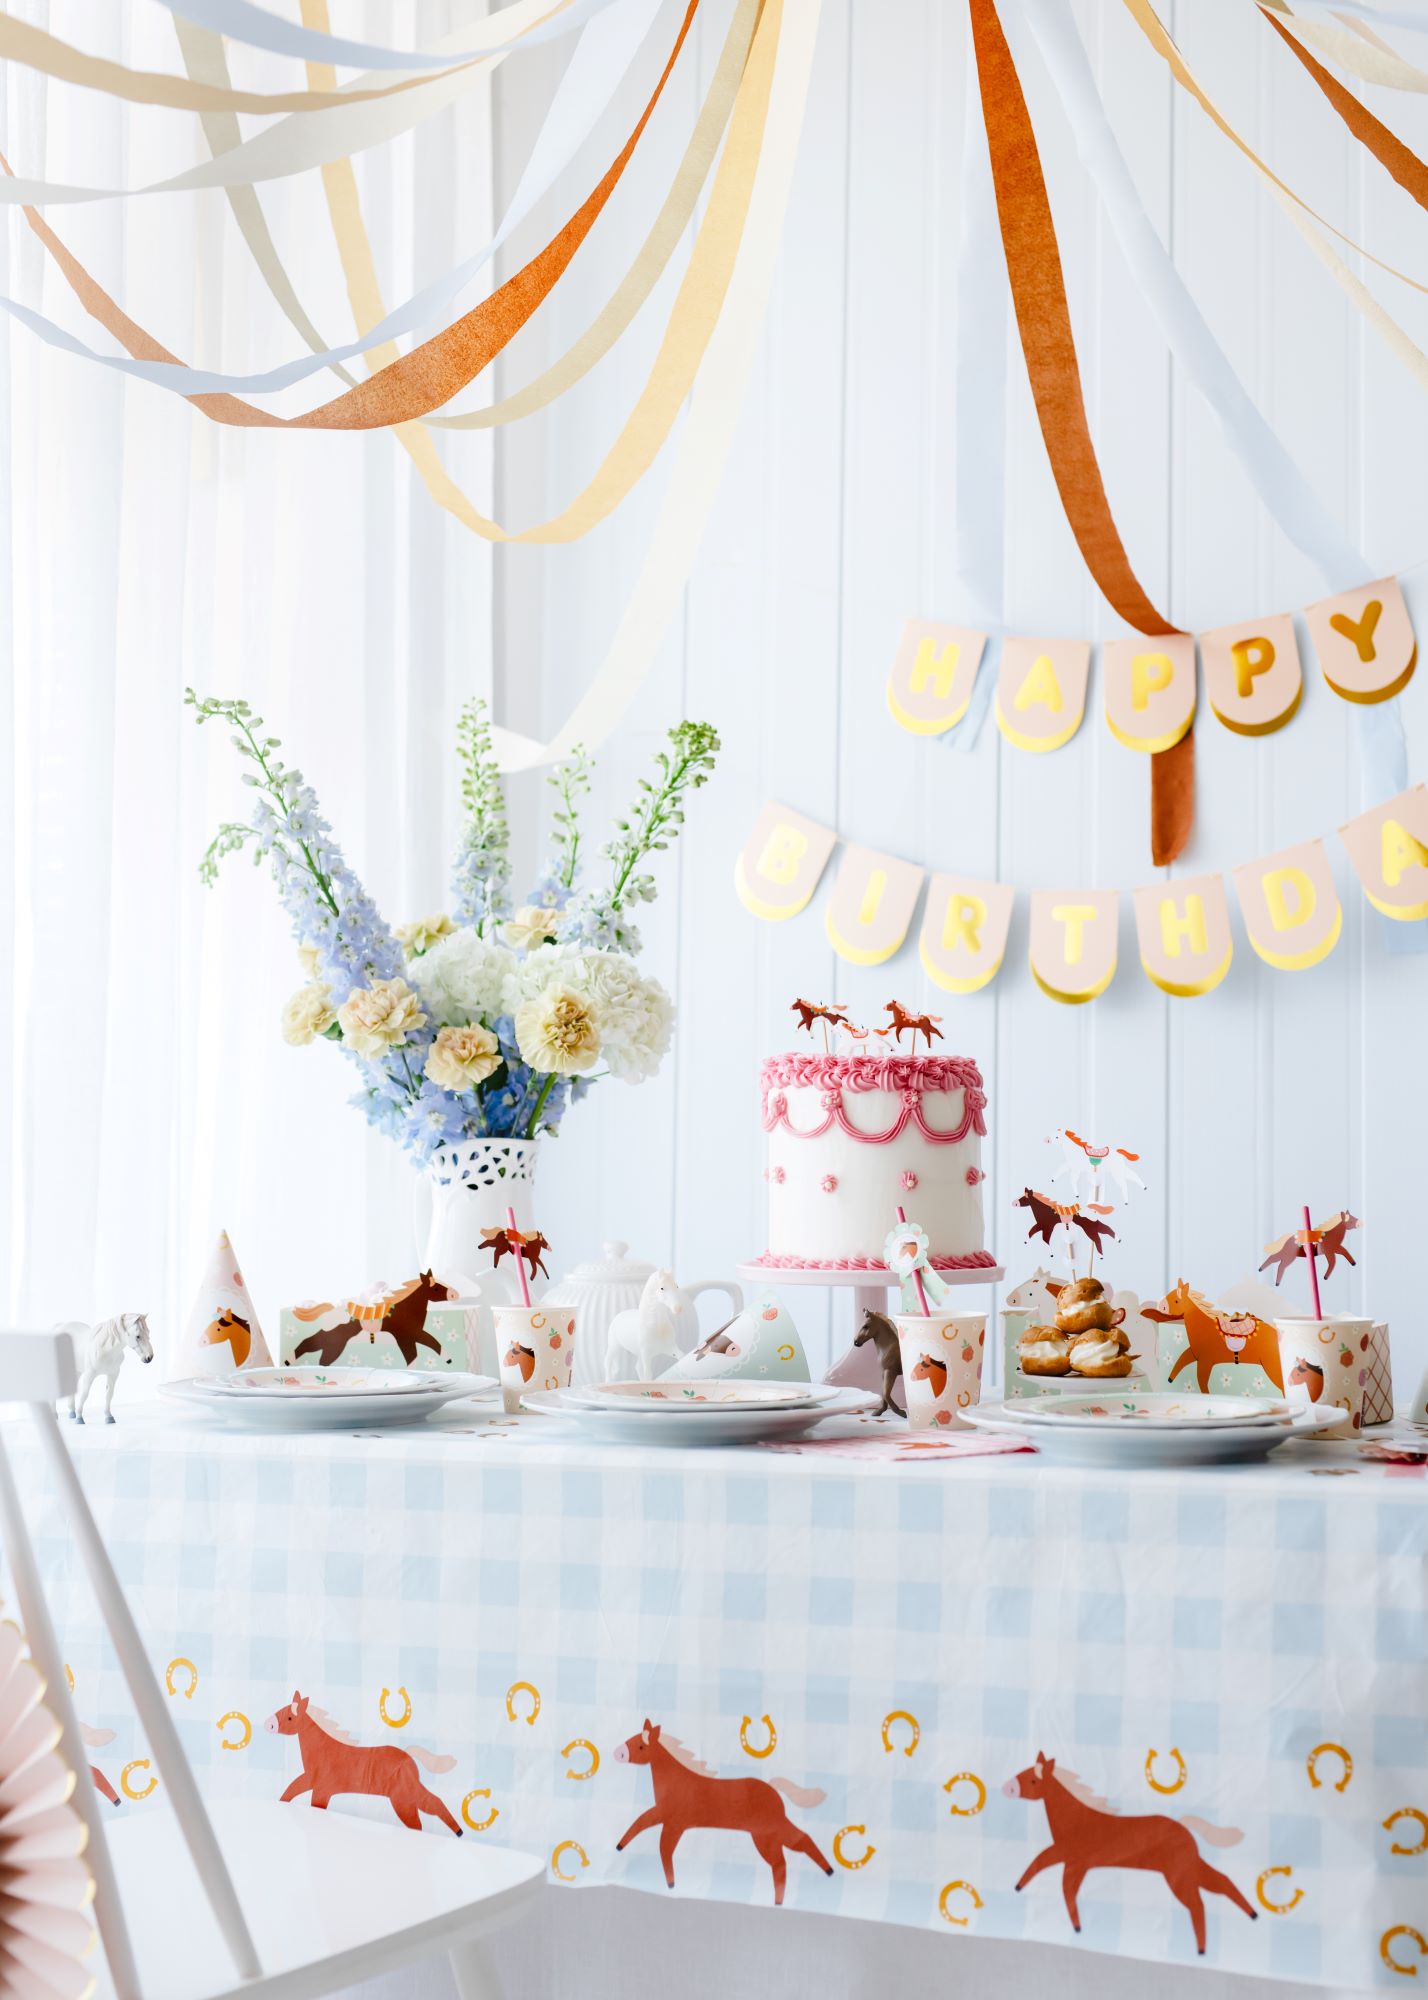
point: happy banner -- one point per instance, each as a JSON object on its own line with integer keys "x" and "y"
{"x": 1253, "y": 673}
{"x": 1288, "y": 903}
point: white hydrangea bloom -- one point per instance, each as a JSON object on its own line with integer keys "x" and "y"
{"x": 634, "y": 1016}
{"x": 462, "y": 979}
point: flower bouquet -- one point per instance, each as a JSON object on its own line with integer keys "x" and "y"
{"x": 473, "y": 1032}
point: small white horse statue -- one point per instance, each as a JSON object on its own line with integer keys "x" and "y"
{"x": 646, "y": 1333}
{"x": 101, "y": 1352}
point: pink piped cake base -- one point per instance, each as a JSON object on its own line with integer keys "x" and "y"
{"x": 973, "y": 1260}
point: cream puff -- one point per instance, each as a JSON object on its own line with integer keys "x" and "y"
{"x": 1102, "y": 1356}
{"x": 1083, "y": 1307}
{"x": 1043, "y": 1351}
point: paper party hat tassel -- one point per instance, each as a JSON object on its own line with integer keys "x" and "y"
{"x": 221, "y": 1334}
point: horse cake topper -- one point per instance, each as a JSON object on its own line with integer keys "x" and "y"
{"x": 1311, "y": 1241}
{"x": 527, "y": 1246}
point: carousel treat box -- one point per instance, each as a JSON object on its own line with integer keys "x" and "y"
{"x": 420, "y": 1324}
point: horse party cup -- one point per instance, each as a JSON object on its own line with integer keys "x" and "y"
{"x": 941, "y": 1365}
{"x": 1325, "y": 1362}
{"x": 535, "y": 1346}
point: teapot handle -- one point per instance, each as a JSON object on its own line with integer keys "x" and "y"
{"x": 734, "y": 1294}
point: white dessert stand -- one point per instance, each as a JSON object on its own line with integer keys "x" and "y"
{"x": 859, "y": 1367}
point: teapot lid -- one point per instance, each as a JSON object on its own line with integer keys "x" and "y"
{"x": 614, "y": 1266}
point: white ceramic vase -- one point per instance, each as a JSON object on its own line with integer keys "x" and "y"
{"x": 473, "y": 1182}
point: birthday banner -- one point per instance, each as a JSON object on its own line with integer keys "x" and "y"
{"x": 1253, "y": 673}
{"x": 1288, "y": 904}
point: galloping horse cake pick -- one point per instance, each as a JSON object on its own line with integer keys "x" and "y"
{"x": 1311, "y": 1241}
{"x": 833, "y": 1014}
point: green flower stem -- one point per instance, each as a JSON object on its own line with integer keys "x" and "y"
{"x": 545, "y": 1090}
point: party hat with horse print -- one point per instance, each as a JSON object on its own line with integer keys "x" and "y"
{"x": 688, "y": 1795}
{"x": 221, "y": 1334}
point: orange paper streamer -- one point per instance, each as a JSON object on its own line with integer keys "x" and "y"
{"x": 1038, "y": 291}
{"x": 432, "y": 373}
{"x": 1387, "y": 148}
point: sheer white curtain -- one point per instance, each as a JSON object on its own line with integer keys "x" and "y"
{"x": 147, "y": 1097}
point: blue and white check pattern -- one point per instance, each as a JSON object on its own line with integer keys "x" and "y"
{"x": 1239, "y": 1618}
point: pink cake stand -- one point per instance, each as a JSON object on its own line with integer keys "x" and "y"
{"x": 859, "y": 1368}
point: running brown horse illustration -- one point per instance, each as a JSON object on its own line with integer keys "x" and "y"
{"x": 1086, "y": 1833}
{"x": 518, "y": 1243}
{"x": 688, "y": 1794}
{"x": 333, "y": 1763}
{"x": 520, "y": 1357}
{"x": 913, "y": 1025}
{"x": 1327, "y": 1239}
{"x": 1048, "y": 1216}
{"x": 402, "y": 1314}
{"x": 809, "y": 1011}
{"x": 1216, "y": 1336}
{"x": 233, "y": 1328}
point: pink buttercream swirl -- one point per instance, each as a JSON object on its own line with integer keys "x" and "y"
{"x": 909, "y": 1078}
{"x": 971, "y": 1260}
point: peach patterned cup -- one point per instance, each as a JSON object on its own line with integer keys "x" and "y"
{"x": 535, "y": 1346}
{"x": 941, "y": 1365}
{"x": 1326, "y": 1360}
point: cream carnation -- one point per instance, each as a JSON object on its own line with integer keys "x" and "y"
{"x": 462, "y": 979}
{"x": 419, "y": 937}
{"x": 556, "y": 1032}
{"x": 634, "y": 1017}
{"x": 532, "y": 925}
{"x": 308, "y": 1014}
{"x": 460, "y": 1058}
{"x": 379, "y": 1017}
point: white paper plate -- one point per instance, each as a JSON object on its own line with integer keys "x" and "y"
{"x": 687, "y": 1398}
{"x": 300, "y": 1380}
{"x": 1139, "y": 1444}
{"x": 326, "y": 1412}
{"x": 630, "y": 1424}
{"x": 1154, "y": 1409}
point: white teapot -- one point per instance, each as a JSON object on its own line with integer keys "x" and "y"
{"x": 610, "y": 1284}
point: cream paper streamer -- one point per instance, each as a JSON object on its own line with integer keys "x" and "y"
{"x": 709, "y": 428}
{"x": 1373, "y": 61}
{"x": 691, "y": 323}
{"x": 523, "y": 20}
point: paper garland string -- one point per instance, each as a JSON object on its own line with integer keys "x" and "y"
{"x": 1288, "y": 902}
{"x": 431, "y": 373}
{"x": 708, "y": 430}
{"x": 1043, "y": 317}
{"x": 521, "y": 20}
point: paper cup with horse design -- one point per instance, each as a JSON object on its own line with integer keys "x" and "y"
{"x": 941, "y": 1365}
{"x": 535, "y": 1346}
{"x": 1325, "y": 1362}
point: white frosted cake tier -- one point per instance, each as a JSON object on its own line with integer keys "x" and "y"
{"x": 853, "y": 1138}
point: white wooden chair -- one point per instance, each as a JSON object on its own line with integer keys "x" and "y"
{"x": 326, "y": 1899}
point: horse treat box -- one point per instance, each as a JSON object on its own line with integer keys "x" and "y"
{"x": 420, "y": 1324}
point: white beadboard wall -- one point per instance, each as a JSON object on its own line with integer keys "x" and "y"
{"x": 835, "y": 522}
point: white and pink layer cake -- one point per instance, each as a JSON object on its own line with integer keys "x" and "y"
{"x": 852, "y": 1138}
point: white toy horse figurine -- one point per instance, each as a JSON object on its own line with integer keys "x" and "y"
{"x": 101, "y": 1352}
{"x": 646, "y": 1333}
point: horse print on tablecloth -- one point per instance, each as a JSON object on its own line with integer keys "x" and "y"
{"x": 401, "y": 1314}
{"x": 334, "y": 1763}
{"x": 688, "y": 1794}
{"x": 1086, "y": 1833}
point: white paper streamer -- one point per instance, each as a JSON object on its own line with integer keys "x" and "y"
{"x": 708, "y": 429}
{"x": 524, "y": 22}
{"x": 601, "y": 57}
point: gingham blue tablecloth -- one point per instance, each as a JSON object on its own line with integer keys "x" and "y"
{"x": 1248, "y": 1647}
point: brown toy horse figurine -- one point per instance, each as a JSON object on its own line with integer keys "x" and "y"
{"x": 688, "y": 1794}
{"x": 402, "y": 1314}
{"x": 878, "y": 1328}
{"x": 903, "y": 1023}
{"x": 1086, "y": 1833}
{"x": 332, "y": 1763}
{"x": 1216, "y": 1337}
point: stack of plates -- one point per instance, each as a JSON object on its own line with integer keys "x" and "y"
{"x": 325, "y": 1398}
{"x": 696, "y": 1413}
{"x": 1154, "y": 1428}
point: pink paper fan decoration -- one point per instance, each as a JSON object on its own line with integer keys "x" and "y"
{"x": 46, "y": 1889}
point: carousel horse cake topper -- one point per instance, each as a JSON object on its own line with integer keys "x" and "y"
{"x": 1325, "y": 1239}
{"x": 527, "y": 1244}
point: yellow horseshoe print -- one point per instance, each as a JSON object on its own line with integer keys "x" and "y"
{"x": 171, "y": 1673}
{"x": 395, "y": 1721}
{"x": 69, "y": 1675}
{"x": 746, "y": 1725}
{"x": 901, "y": 1715}
{"x": 966, "y": 1778}
{"x": 235, "y": 1715}
{"x": 964, "y": 1399}
{"x": 139, "y": 1764}
{"x": 1312, "y": 1764}
{"x": 567, "y": 1847}
{"x": 853, "y": 1860}
{"x": 949, "y": 1889}
{"x": 582, "y": 1743}
{"x": 522, "y": 1687}
{"x": 1154, "y": 1782}
{"x": 1276, "y": 1909}
{"x": 785, "y": 1352}
{"x": 1385, "y": 1948}
{"x": 479, "y": 1825}
{"x": 1408, "y": 1812}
